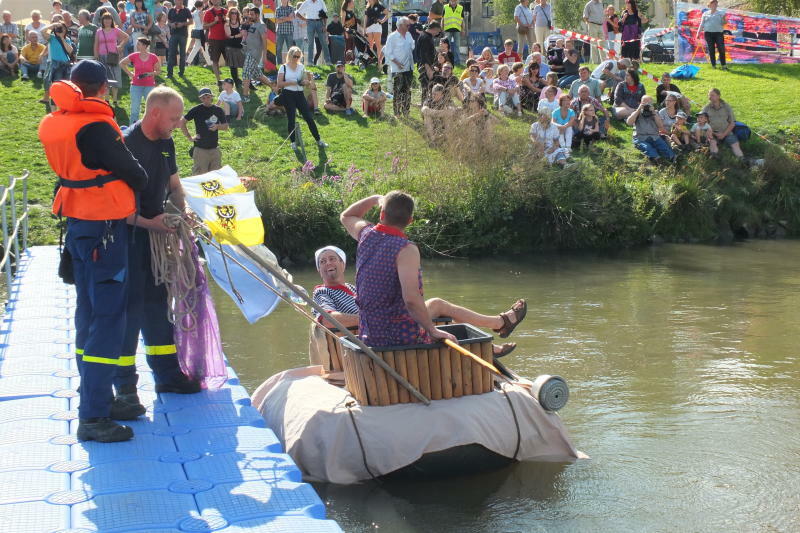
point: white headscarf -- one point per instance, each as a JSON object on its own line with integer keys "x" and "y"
{"x": 335, "y": 249}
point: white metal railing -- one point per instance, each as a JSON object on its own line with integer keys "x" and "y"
{"x": 8, "y": 213}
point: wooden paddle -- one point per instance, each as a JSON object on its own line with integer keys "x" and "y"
{"x": 466, "y": 353}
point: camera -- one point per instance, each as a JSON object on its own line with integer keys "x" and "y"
{"x": 647, "y": 110}
{"x": 322, "y": 14}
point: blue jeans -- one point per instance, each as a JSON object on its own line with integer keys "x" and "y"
{"x": 284, "y": 40}
{"x": 316, "y": 29}
{"x": 177, "y": 45}
{"x": 138, "y": 92}
{"x": 455, "y": 44}
{"x": 654, "y": 147}
{"x": 29, "y": 70}
{"x": 566, "y": 81}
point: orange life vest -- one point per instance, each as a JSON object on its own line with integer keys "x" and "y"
{"x": 86, "y": 194}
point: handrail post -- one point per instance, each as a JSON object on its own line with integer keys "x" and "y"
{"x": 13, "y": 199}
{"x": 25, "y": 209}
{"x": 4, "y": 218}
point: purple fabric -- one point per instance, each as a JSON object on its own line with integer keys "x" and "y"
{"x": 200, "y": 349}
{"x": 383, "y": 319}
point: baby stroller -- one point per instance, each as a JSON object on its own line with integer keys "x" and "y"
{"x": 363, "y": 55}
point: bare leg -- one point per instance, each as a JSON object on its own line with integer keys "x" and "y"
{"x": 438, "y": 307}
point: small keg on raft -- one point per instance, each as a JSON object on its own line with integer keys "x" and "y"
{"x": 436, "y": 370}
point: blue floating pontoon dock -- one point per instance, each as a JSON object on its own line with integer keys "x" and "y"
{"x": 201, "y": 462}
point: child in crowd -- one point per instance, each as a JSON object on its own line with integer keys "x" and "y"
{"x": 551, "y": 80}
{"x": 310, "y": 90}
{"x": 507, "y": 91}
{"x": 703, "y": 135}
{"x": 272, "y": 107}
{"x": 549, "y": 103}
{"x": 588, "y": 126}
{"x": 374, "y": 99}
{"x": 488, "y": 83}
{"x": 230, "y": 101}
{"x": 486, "y": 59}
{"x": 679, "y": 134}
{"x": 508, "y": 56}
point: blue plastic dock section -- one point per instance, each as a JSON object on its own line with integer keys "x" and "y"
{"x": 201, "y": 462}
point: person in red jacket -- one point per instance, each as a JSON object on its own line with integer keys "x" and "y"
{"x": 97, "y": 177}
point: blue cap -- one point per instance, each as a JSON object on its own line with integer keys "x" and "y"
{"x": 87, "y": 72}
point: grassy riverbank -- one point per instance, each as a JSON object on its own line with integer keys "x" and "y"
{"x": 482, "y": 193}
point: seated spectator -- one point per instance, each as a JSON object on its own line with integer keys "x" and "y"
{"x": 628, "y": 95}
{"x": 36, "y": 25}
{"x": 444, "y": 48}
{"x": 30, "y": 57}
{"x": 585, "y": 80}
{"x": 374, "y": 99}
{"x": 551, "y": 80}
{"x": 570, "y": 70}
{"x": 10, "y": 28}
{"x": 702, "y": 134}
{"x": 441, "y": 59}
{"x": 9, "y": 56}
{"x": 610, "y": 73}
{"x": 486, "y": 59}
{"x": 588, "y": 128}
{"x": 535, "y": 49}
{"x": 471, "y": 61}
{"x": 536, "y": 58}
{"x": 585, "y": 98}
{"x": 310, "y": 92}
{"x": 339, "y": 91}
{"x": 669, "y": 111}
{"x": 647, "y": 131}
{"x": 449, "y": 81}
{"x": 545, "y": 137}
{"x": 555, "y": 56}
{"x": 473, "y": 86}
{"x": 507, "y": 91}
{"x": 230, "y": 101}
{"x": 679, "y": 133}
{"x": 665, "y": 87}
{"x": 570, "y": 45}
{"x": 508, "y": 56}
{"x": 487, "y": 75}
{"x": 436, "y": 111}
{"x": 722, "y": 121}
{"x": 530, "y": 87}
{"x": 564, "y": 119}
{"x": 549, "y": 102}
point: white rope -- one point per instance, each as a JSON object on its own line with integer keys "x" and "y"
{"x": 172, "y": 265}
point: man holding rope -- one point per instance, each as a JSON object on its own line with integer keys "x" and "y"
{"x": 392, "y": 311}
{"x": 151, "y": 143}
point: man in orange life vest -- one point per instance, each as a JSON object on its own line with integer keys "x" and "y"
{"x": 97, "y": 176}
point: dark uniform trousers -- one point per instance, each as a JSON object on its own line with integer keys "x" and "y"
{"x": 99, "y": 252}
{"x": 146, "y": 313}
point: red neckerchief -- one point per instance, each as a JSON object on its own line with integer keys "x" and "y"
{"x": 389, "y": 230}
{"x": 337, "y": 288}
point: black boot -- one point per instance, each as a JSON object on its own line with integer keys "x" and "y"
{"x": 127, "y": 407}
{"x": 180, "y": 385}
{"x": 103, "y": 430}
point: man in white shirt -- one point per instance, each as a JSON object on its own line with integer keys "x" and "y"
{"x": 594, "y": 16}
{"x": 523, "y": 17}
{"x": 399, "y": 53}
{"x": 311, "y": 11}
{"x": 611, "y": 72}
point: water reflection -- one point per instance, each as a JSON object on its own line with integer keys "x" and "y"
{"x": 685, "y": 378}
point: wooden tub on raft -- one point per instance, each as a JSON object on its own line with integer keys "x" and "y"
{"x": 437, "y": 371}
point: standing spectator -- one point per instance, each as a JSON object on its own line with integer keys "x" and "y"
{"x": 230, "y": 101}
{"x": 588, "y": 127}
{"x": 179, "y": 18}
{"x": 666, "y": 87}
{"x": 350, "y": 22}
{"x": 631, "y": 24}
{"x": 523, "y": 17}
{"x": 508, "y": 56}
{"x": 59, "y": 48}
{"x": 57, "y": 9}
{"x": 339, "y": 91}
{"x": 611, "y": 30}
{"x": 702, "y": 134}
{"x": 400, "y": 57}
{"x": 375, "y": 14}
{"x": 36, "y": 25}
{"x": 722, "y": 121}
{"x": 300, "y": 28}
{"x": 542, "y": 22}
{"x": 426, "y": 57}
{"x": 140, "y": 20}
{"x": 507, "y": 91}
{"x": 374, "y": 99}
{"x": 628, "y": 95}
{"x": 208, "y": 119}
{"x": 146, "y": 67}
{"x": 9, "y": 56}
{"x": 106, "y": 7}
{"x": 255, "y": 33}
{"x": 585, "y": 80}
{"x": 594, "y": 17}
{"x": 291, "y": 78}
{"x": 71, "y": 25}
{"x": 544, "y": 135}
{"x": 284, "y": 16}
{"x": 9, "y": 28}
{"x": 198, "y": 44}
{"x": 86, "y": 35}
{"x": 583, "y": 99}
{"x": 453, "y": 26}
{"x": 214, "y": 22}
{"x": 647, "y": 130}
{"x": 565, "y": 120}
{"x": 123, "y": 13}
{"x": 436, "y": 12}
{"x": 162, "y": 33}
{"x": 336, "y": 38}
{"x": 713, "y": 23}
{"x": 30, "y": 57}
{"x": 234, "y": 54}
{"x": 312, "y": 12}
{"x": 109, "y": 43}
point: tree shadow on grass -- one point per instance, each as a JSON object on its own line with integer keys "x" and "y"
{"x": 751, "y": 74}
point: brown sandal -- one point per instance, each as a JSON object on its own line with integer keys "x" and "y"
{"x": 518, "y": 311}
{"x": 505, "y": 349}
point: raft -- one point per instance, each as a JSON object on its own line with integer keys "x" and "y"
{"x": 354, "y": 425}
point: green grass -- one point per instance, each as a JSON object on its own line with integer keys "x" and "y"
{"x": 477, "y": 194}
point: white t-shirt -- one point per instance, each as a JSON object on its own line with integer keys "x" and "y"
{"x": 546, "y": 136}
{"x": 547, "y": 107}
{"x": 292, "y": 75}
{"x": 477, "y": 87}
{"x": 230, "y": 98}
{"x": 598, "y": 72}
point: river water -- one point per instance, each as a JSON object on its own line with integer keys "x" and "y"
{"x": 684, "y": 369}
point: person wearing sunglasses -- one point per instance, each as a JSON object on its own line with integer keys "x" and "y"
{"x": 291, "y": 78}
